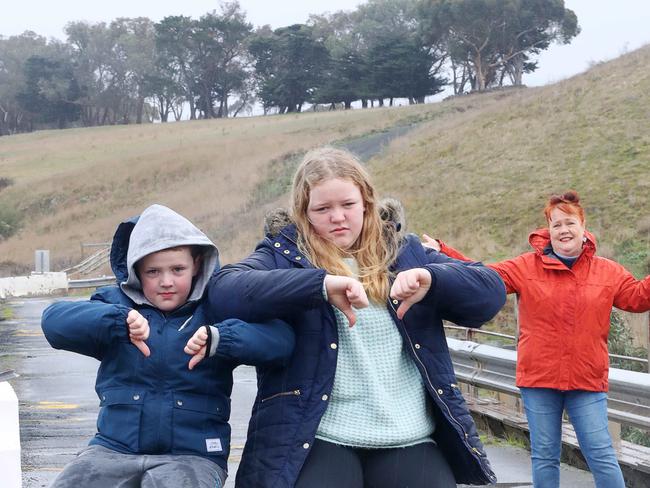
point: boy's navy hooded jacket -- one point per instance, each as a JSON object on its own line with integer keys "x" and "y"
{"x": 155, "y": 404}
{"x": 277, "y": 280}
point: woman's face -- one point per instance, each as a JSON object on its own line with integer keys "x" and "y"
{"x": 567, "y": 233}
{"x": 335, "y": 211}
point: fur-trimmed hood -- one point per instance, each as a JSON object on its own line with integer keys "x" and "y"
{"x": 390, "y": 210}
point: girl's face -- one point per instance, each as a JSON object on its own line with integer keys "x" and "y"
{"x": 567, "y": 233}
{"x": 336, "y": 210}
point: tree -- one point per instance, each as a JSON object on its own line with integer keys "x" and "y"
{"x": 113, "y": 64}
{"x": 288, "y": 63}
{"x": 92, "y": 51}
{"x": 400, "y": 60}
{"x": 344, "y": 76}
{"x": 219, "y": 61}
{"x": 529, "y": 27}
{"x": 51, "y": 91}
{"x": 401, "y": 68}
{"x": 14, "y": 53}
{"x": 174, "y": 54}
{"x": 132, "y": 63}
{"x": 486, "y": 37}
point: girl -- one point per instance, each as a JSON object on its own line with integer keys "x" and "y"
{"x": 369, "y": 397}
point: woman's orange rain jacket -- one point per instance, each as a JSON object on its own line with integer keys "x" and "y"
{"x": 564, "y": 313}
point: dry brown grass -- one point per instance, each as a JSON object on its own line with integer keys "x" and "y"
{"x": 74, "y": 186}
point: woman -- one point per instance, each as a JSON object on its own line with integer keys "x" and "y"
{"x": 566, "y": 294}
{"x": 369, "y": 397}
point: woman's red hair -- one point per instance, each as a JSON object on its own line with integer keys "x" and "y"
{"x": 568, "y": 203}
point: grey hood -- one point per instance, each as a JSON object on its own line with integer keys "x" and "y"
{"x": 158, "y": 228}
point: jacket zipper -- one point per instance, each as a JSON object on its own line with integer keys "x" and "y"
{"x": 426, "y": 373}
{"x": 283, "y": 393}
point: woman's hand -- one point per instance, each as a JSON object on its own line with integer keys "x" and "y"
{"x": 196, "y": 346}
{"x": 344, "y": 293}
{"x": 138, "y": 331}
{"x": 428, "y": 241}
{"x": 410, "y": 287}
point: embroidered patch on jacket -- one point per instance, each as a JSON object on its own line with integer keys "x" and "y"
{"x": 213, "y": 445}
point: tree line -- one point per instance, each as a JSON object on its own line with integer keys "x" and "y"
{"x": 134, "y": 70}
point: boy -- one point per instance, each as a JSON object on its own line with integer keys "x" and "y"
{"x": 163, "y": 422}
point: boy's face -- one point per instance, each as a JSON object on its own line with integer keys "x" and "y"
{"x": 166, "y": 277}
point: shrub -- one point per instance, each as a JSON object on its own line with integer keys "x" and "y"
{"x": 10, "y": 221}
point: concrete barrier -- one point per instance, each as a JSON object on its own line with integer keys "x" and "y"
{"x": 9, "y": 438}
{"x": 37, "y": 284}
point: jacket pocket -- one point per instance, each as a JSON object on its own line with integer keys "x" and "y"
{"x": 119, "y": 417}
{"x": 291, "y": 393}
{"x": 200, "y": 424}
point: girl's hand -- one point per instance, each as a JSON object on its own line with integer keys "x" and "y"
{"x": 138, "y": 331}
{"x": 428, "y": 241}
{"x": 196, "y": 346}
{"x": 344, "y": 293}
{"x": 410, "y": 287}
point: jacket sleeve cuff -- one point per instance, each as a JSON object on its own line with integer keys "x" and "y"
{"x": 213, "y": 340}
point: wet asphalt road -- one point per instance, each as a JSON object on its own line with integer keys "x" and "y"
{"x": 58, "y": 406}
{"x": 57, "y": 401}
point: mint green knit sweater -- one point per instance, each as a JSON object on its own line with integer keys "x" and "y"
{"x": 378, "y": 399}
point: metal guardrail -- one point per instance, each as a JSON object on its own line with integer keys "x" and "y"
{"x": 493, "y": 368}
{"x": 92, "y": 282}
{"x": 469, "y": 333}
{"x": 91, "y": 263}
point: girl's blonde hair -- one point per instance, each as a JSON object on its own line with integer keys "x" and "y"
{"x": 376, "y": 247}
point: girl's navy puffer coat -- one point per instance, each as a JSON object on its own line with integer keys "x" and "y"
{"x": 278, "y": 281}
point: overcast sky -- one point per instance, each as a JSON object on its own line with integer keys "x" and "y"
{"x": 609, "y": 27}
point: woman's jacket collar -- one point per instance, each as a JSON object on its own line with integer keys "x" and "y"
{"x": 540, "y": 240}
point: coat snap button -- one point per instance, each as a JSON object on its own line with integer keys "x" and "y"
{"x": 439, "y": 391}
{"x": 324, "y": 398}
{"x": 333, "y": 345}
{"x": 417, "y": 346}
{"x": 286, "y": 251}
{"x": 305, "y": 445}
{"x": 277, "y": 244}
{"x": 179, "y": 403}
{"x": 136, "y": 397}
{"x": 395, "y": 302}
{"x": 298, "y": 258}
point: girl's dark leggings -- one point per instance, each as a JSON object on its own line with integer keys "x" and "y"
{"x": 331, "y": 465}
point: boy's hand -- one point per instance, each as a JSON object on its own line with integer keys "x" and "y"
{"x": 410, "y": 287}
{"x": 196, "y": 346}
{"x": 138, "y": 331}
{"x": 344, "y": 293}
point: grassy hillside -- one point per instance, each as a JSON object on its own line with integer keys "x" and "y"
{"x": 71, "y": 187}
{"x": 475, "y": 172}
{"x": 479, "y": 177}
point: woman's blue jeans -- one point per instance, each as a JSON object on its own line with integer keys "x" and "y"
{"x": 588, "y": 414}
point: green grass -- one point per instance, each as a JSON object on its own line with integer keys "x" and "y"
{"x": 6, "y": 313}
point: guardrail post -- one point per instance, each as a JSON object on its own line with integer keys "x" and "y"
{"x": 42, "y": 261}
{"x": 615, "y": 432}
